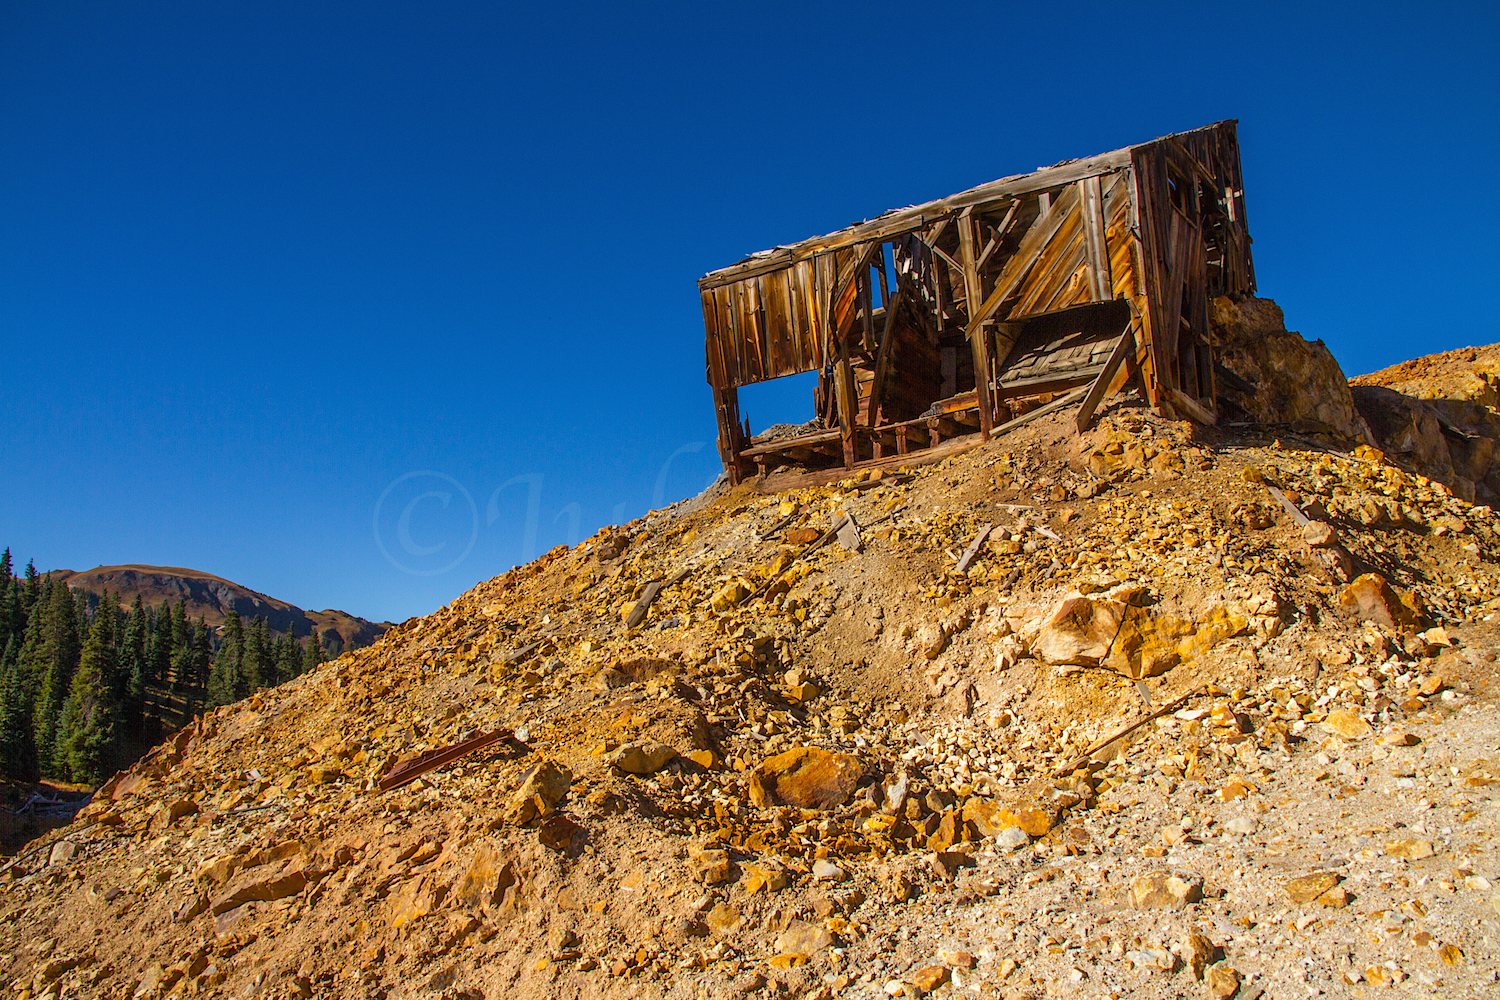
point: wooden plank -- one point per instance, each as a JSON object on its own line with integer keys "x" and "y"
{"x": 902, "y": 221}
{"x": 796, "y": 480}
{"x": 883, "y": 356}
{"x": 978, "y": 340}
{"x": 782, "y": 444}
{"x": 1048, "y": 383}
{"x": 1124, "y": 347}
{"x": 643, "y": 604}
{"x": 1040, "y": 411}
{"x": 973, "y": 549}
{"x": 412, "y": 769}
{"x": 1023, "y": 260}
{"x": 1094, "y": 241}
{"x": 1125, "y": 730}
{"x": 1190, "y": 406}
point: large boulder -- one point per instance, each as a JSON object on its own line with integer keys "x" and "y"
{"x": 1080, "y": 630}
{"x": 807, "y": 777}
{"x": 1282, "y": 378}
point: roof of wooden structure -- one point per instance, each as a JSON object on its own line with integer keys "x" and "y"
{"x": 898, "y": 221}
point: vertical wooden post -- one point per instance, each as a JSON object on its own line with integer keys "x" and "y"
{"x": 979, "y": 341}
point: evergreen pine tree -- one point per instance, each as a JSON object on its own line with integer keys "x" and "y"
{"x": 33, "y": 586}
{"x": 163, "y": 645}
{"x": 290, "y": 660}
{"x": 131, "y": 687}
{"x": 58, "y": 656}
{"x": 312, "y": 656}
{"x": 5, "y": 566}
{"x": 255, "y": 667}
{"x": 201, "y": 651}
{"x": 17, "y": 753}
{"x": 90, "y": 725}
{"x": 226, "y": 681}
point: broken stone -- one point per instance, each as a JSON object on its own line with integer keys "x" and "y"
{"x": 1319, "y": 534}
{"x": 62, "y": 852}
{"x": 764, "y": 876}
{"x": 807, "y": 777}
{"x": 1309, "y": 887}
{"x": 1079, "y": 631}
{"x": 710, "y": 867}
{"x": 1162, "y": 889}
{"x": 1338, "y": 897}
{"x": 1379, "y": 603}
{"x": 171, "y": 813}
{"x": 1410, "y": 848}
{"x": 803, "y": 938}
{"x": 931, "y": 977}
{"x": 824, "y": 870}
{"x": 642, "y": 758}
{"x": 723, "y": 919}
{"x": 1197, "y": 952}
{"x": 541, "y": 789}
{"x": 1346, "y": 725}
{"x": 486, "y": 880}
{"x": 264, "y": 886}
{"x": 557, "y": 832}
{"x": 945, "y": 864}
{"x": 1223, "y": 980}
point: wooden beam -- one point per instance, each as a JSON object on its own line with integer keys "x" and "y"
{"x": 1023, "y": 260}
{"x": 1124, "y": 347}
{"x": 906, "y": 220}
{"x": 1094, "y": 241}
{"x": 973, "y": 549}
{"x": 978, "y": 339}
{"x": 1186, "y": 404}
{"x": 883, "y": 357}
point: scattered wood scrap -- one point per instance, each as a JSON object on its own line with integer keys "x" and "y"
{"x": 1083, "y": 759}
{"x": 429, "y": 760}
{"x": 973, "y": 549}
{"x": 649, "y": 593}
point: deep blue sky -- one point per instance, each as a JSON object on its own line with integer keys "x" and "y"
{"x": 258, "y": 261}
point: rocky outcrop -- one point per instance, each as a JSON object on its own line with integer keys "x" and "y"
{"x": 1439, "y": 413}
{"x": 1281, "y": 377}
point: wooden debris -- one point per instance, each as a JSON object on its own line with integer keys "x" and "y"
{"x": 649, "y": 593}
{"x": 515, "y": 656}
{"x": 1083, "y": 759}
{"x": 429, "y": 760}
{"x": 973, "y": 549}
{"x": 638, "y": 613}
{"x": 1124, "y": 347}
{"x": 848, "y": 535}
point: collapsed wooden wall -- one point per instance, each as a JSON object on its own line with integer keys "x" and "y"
{"x": 921, "y": 308}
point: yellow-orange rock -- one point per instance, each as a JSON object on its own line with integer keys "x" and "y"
{"x": 1146, "y": 646}
{"x": 541, "y": 789}
{"x": 1378, "y": 602}
{"x": 1080, "y": 630}
{"x": 260, "y": 885}
{"x": 807, "y": 777}
{"x": 486, "y": 880}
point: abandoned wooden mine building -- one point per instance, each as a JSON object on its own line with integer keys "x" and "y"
{"x": 946, "y": 319}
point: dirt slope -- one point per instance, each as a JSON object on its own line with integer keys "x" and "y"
{"x": 854, "y": 771}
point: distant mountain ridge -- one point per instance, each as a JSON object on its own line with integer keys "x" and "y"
{"x": 213, "y": 597}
